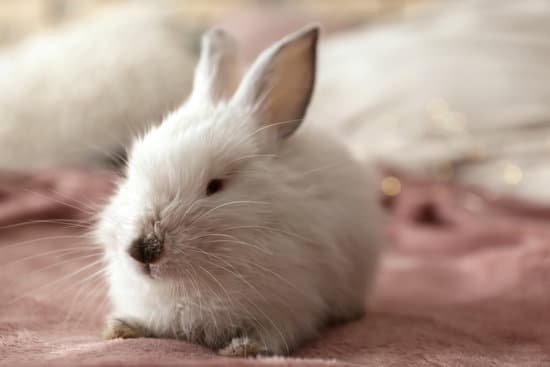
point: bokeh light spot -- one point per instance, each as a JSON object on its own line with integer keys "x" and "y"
{"x": 512, "y": 174}
{"x": 391, "y": 186}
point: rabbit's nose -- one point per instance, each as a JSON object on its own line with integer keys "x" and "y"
{"x": 146, "y": 249}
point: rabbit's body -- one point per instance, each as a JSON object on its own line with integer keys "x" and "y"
{"x": 247, "y": 237}
{"x": 315, "y": 267}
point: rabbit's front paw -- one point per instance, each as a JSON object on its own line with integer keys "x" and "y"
{"x": 244, "y": 347}
{"x": 119, "y": 328}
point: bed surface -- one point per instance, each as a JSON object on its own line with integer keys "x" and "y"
{"x": 464, "y": 281}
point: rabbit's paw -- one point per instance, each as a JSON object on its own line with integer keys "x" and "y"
{"x": 244, "y": 347}
{"x": 119, "y": 328}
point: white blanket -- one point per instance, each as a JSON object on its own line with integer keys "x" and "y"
{"x": 462, "y": 93}
{"x": 83, "y": 91}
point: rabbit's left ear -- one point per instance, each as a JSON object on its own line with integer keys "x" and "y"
{"x": 218, "y": 71}
{"x": 279, "y": 85}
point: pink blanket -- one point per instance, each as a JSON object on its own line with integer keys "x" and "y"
{"x": 464, "y": 281}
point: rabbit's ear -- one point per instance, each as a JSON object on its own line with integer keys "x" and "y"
{"x": 279, "y": 85}
{"x": 218, "y": 71}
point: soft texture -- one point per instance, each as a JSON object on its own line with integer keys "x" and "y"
{"x": 461, "y": 92}
{"x": 80, "y": 93}
{"x": 464, "y": 282}
{"x": 289, "y": 238}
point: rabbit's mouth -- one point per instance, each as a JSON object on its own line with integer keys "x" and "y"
{"x": 150, "y": 271}
{"x": 153, "y": 271}
{"x": 143, "y": 269}
{"x": 146, "y": 269}
{"x": 156, "y": 271}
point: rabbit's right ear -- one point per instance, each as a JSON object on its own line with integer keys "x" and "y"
{"x": 218, "y": 71}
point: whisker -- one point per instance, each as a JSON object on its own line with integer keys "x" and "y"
{"x": 256, "y": 265}
{"x": 264, "y": 127}
{"x": 195, "y": 286}
{"x": 50, "y": 238}
{"x": 266, "y": 228}
{"x": 221, "y": 286}
{"x": 99, "y": 282}
{"x": 240, "y": 242}
{"x": 87, "y": 206}
{"x": 57, "y": 281}
{"x": 48, "y": 253}
{"x": 259, "y": 309}
{"x": 188, "y": 210}
{"x": 102, "y": 305}
{"x": 98, "y": 286}
{"x": 231, "y": 238}
{"x": 110, "y": 154}
{"x": 51, "y": 198}
{"x": 95, "y": 292}
{"x": 208, "y": 309}
{"x": 238, "y": 202}
{"x": 234, "y": 273}
{"x": 75, "y": 223}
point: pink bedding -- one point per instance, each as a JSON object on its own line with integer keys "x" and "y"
{"x": 464, "y": 281}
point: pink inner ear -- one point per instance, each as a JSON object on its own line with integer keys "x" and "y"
{"x": 280, "y": 83}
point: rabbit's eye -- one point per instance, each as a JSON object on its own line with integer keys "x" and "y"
{"x": 214, "y": 186}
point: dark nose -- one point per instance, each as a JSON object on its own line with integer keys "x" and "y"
{"x": 146, "y": 249}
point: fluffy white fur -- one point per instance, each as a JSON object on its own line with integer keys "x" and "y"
{"x": 81, "y": 92}
{"x": 290, "y": 242}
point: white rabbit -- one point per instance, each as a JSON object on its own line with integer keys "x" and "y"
{"x": 231, "y": 228}
{"x": 78, "y": 93}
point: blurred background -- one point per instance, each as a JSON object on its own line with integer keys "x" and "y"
{"x": 21, "y": 18}
{"x": 450, "y": 90}
{"x": 449, "y": 99}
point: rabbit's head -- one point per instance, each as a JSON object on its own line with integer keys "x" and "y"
{"x": 210, "y": 173}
